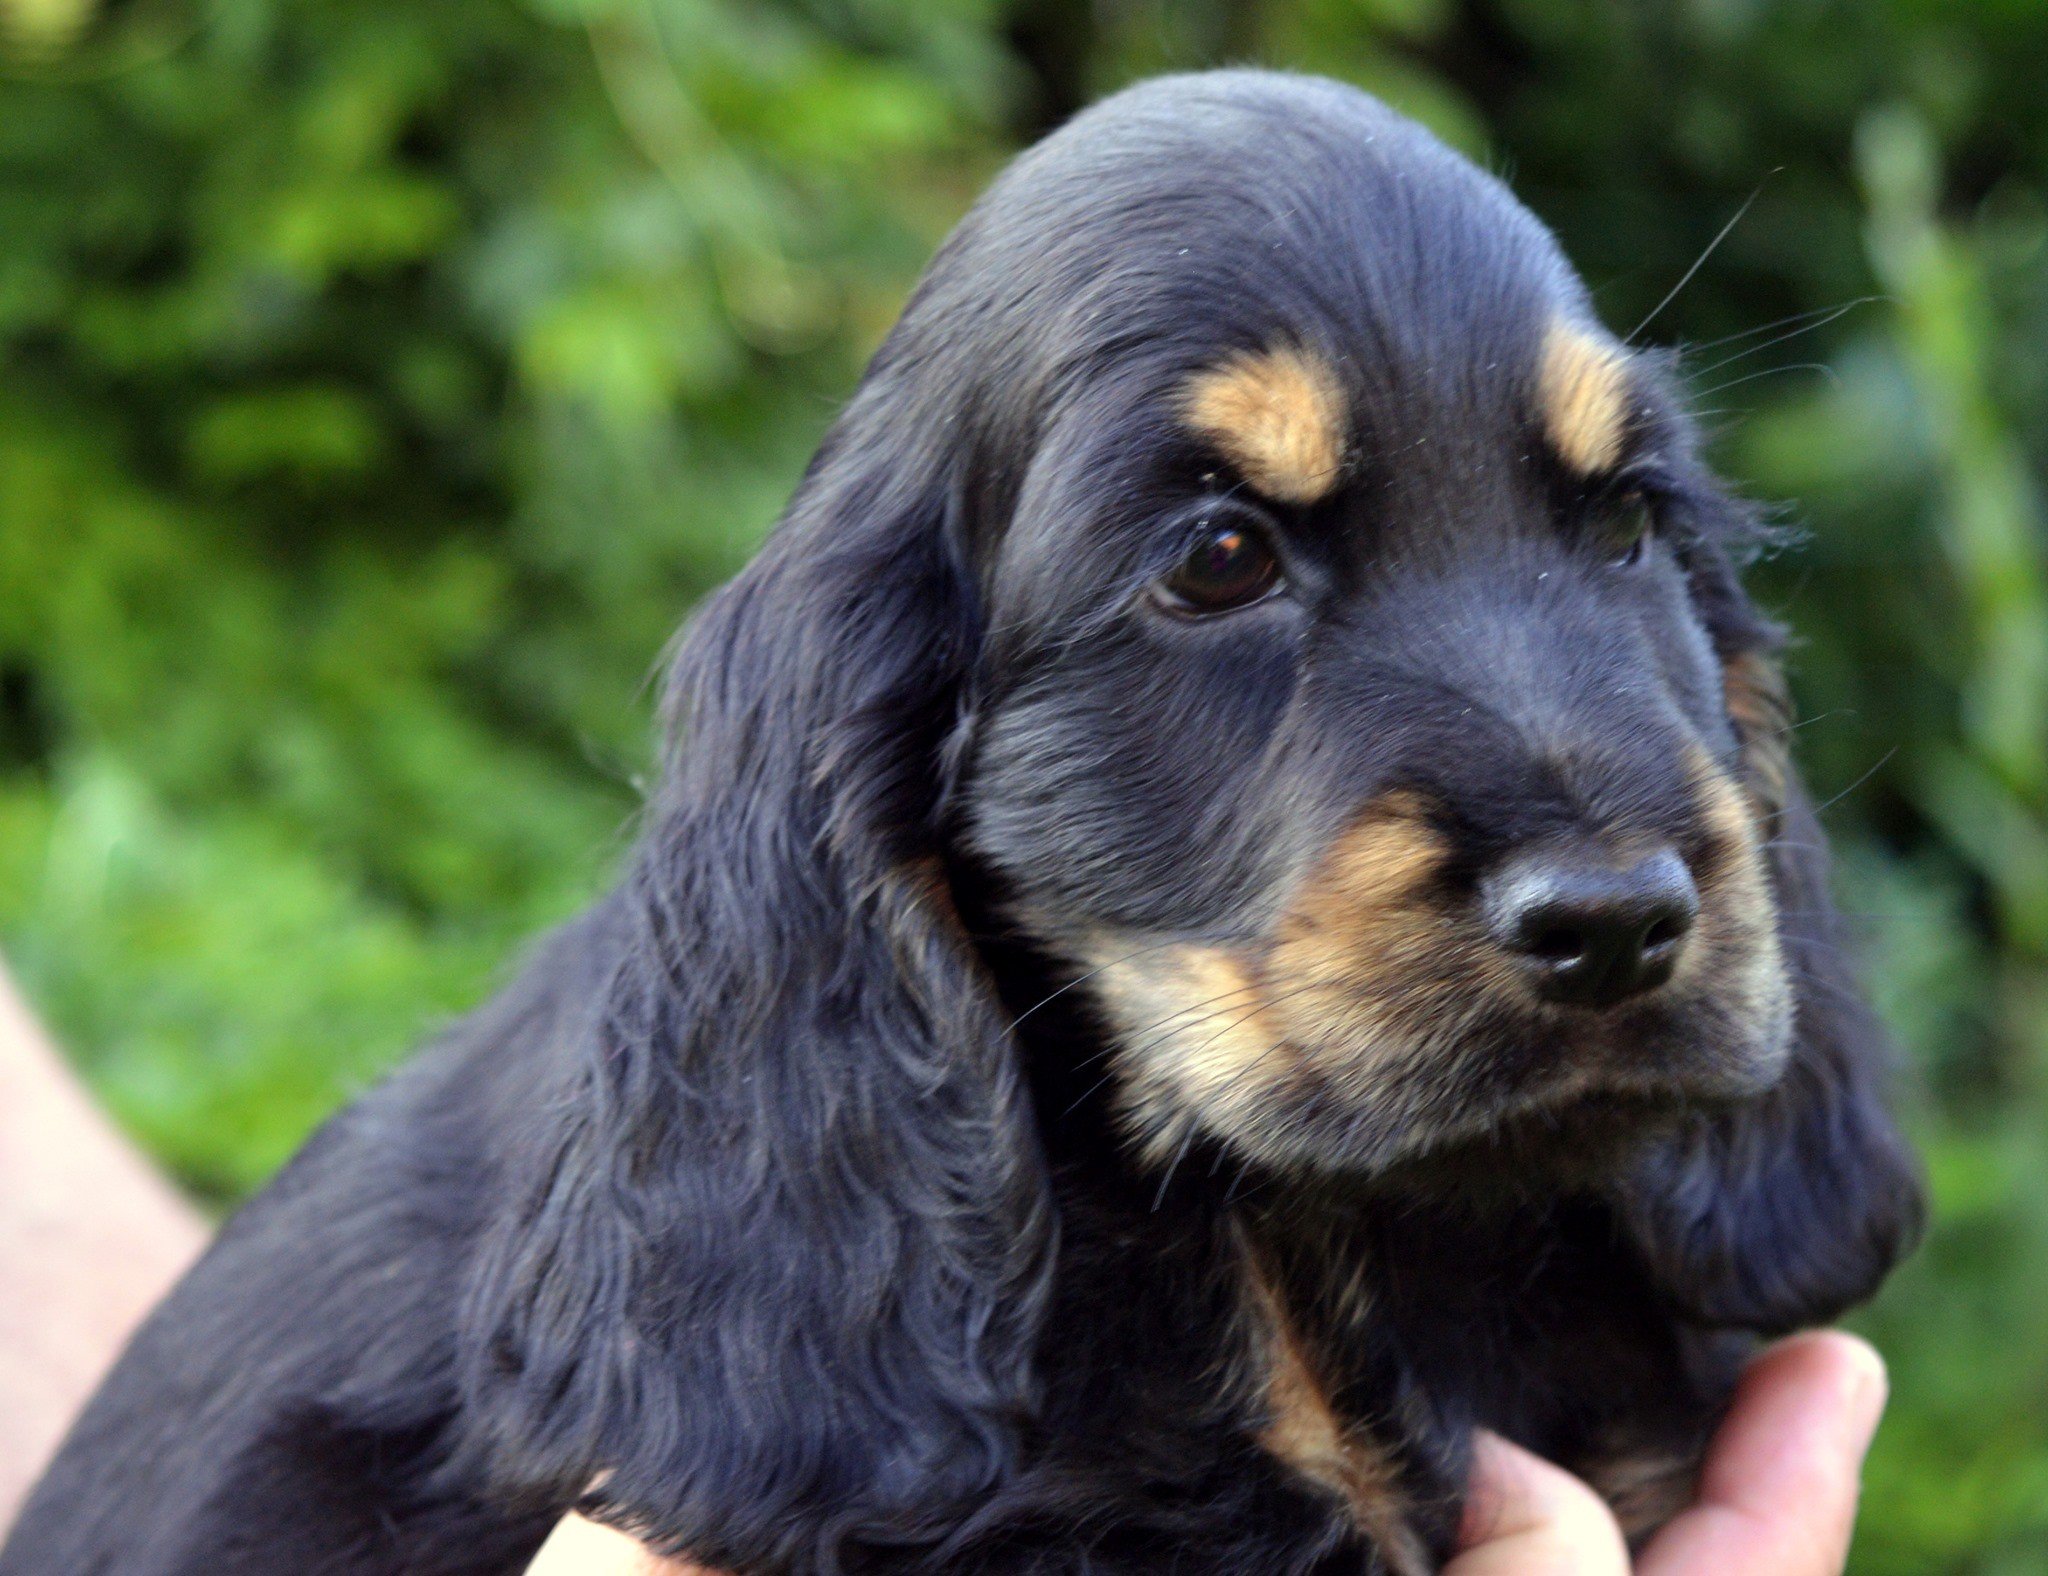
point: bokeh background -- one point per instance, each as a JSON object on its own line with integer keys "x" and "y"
{"x": 380, "y": 380}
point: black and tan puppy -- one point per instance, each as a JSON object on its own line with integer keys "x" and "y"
{"x": 1228, "y": 905}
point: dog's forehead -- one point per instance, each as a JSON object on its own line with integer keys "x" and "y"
{"x": 1318, "y": 278}
{"x": 1300, "y": 286}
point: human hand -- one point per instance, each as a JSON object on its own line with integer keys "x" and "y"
{"x": 579, "y": 1547}
{"x": 90, "y": 1238}
{"x": 1777, "y": 1495}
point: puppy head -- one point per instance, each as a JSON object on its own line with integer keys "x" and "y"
{"x": 1363, "y": 703}
{"x": 1251, "y": 558}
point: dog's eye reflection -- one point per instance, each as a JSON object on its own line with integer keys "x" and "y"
{"x": 1228, "y": 567}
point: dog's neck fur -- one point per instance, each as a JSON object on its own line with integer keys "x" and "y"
{"x": 1365, "y": 1328}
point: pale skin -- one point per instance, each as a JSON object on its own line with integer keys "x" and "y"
{"x": 90, "y": 1236}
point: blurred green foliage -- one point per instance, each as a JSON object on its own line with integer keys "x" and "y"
{"x": 380, "y": 382}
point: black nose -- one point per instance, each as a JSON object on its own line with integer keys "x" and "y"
{"x": 1592, "y": 931}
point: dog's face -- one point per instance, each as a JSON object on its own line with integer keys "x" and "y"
{"x": 1351, "y": 713}
{"x": 1250, "y": 568}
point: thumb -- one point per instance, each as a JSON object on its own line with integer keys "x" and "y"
{"x": 1525, "y": 1517}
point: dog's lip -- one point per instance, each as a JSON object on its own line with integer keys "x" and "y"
{"x": 1562, "y": 1105}
{"x": 1585, "y": 1080}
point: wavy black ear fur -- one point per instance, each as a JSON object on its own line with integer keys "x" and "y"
{"x": 1790, "y": 1209}
{"x": 771, "y": 1288}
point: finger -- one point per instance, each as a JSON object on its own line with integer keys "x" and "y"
{"x": 1525, "y": 1517}
{"x": 1778, "y": 1494}
{"x": 579, "y": 1547}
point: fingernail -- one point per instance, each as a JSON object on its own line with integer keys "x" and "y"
{"x": 1869, "y": 1388}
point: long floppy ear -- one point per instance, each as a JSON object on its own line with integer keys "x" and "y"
{"x": 775, "y": 1275}
{"x": 1788, "y": 1210}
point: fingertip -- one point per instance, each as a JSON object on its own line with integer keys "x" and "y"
{"x": 1839, "y": 1349}
{"x": 1524, "y": 1515}
{"x": 1781, "y": 1481}
{"x": 1868, "y": 1380}
{"x": 1496, "y": 1489}
{"x": 1843, "y": 1374}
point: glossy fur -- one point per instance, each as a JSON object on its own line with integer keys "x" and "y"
{"x": 871, "y": 1183}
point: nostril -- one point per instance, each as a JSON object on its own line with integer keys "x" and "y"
{"x": 1553, "y": 943}
{"x": 1665, "y": 933}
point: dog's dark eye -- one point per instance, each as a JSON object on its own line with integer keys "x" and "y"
{"x": 1230, "y": 566}
{"x": 1626, "y": 529}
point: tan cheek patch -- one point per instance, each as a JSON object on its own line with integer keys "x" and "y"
{"x": 1358, "y": 975}
{"x": 1358, "y": 936}
{"x": 1738, "y": 911}
{"x": 1278, "y": 417}
{"x": 1725, "y": 809}
{"x": 1739, "y": 876}
{"x": 1760, "y": 707}
{"x": 1382, "y": 858}
{"x": 1582, "y": 394}
{"x": 1194, "y": 1027}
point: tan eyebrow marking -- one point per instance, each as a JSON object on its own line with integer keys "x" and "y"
{"x": 1582, "y": 396}
{"x": 1278, "y": 416}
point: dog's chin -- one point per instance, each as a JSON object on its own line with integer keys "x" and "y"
{"x": 1568, "y": 1107}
